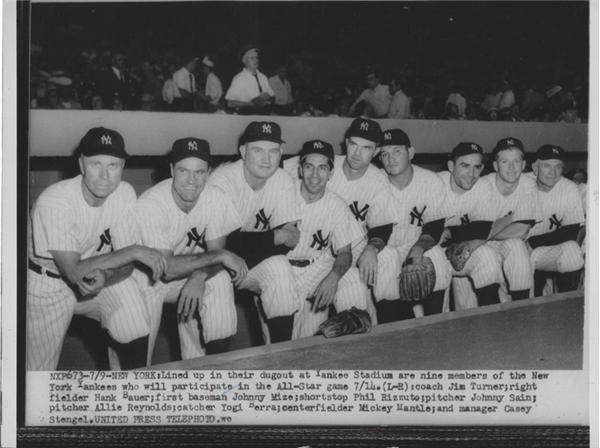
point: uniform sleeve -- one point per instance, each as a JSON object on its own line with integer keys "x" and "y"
{"x": 528, "y": 206}
{"x": 288, "y": 208}
{"x": 484, "y": 209}
{"x": 153, "y": 225}
{"x": 226, "y": 218}
{"x": 219, "y": 180}
{"x": 379, "y": 213}
{"x": 124, "y": 232}
{"x": 574, "y": 213}
{"x": 53, "y": 228}
{"x": 347, "y": 231}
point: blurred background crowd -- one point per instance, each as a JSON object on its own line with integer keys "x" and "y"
{"x": 507, "y": 62}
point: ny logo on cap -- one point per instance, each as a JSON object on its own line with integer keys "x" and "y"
{"x": 318, "y": 145}
{"x": 364, "y": 126}
{"x": 192, "y": 146}
{"x": 510, "y": 141}
{"x": 387, "y": 136}
{"x": 266, "y": 128}
{"x": 474, "y": 147}
{"x": 106, "y": 140}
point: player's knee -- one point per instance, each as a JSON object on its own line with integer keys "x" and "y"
{"x": 121, "y": 328}
{"x": 442, "y": 267}
{"x": 516, "y": 249}
{"x": 486, "y": 267}
{"x": 571, "y": 257}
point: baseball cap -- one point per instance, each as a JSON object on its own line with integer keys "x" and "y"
{"x": 102, "y": 141}
{"x": 395, "y": 137}
{"x": 262, "y": 130}
{"x": 317, "y": 147}
{"x": 465, "y": 148}
{"x": 508, "y": 143}
{"x": 190, "y": 147}
{"x": 365, "y": 128}
{"x": 547, "y": 152}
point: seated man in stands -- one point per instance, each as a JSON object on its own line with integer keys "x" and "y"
{"x": 374, "y": 101}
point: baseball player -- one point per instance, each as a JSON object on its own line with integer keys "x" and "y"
{"x": 516, "y": 202}
{"x": 417, "y": 195}
{"x": 188, "y": 222}
{"x": 364, "y": 189}
{"x": 265, "y": 198}
{"x": 322, "y": 259}
{"x": 553, "y": 240}
{"x": 469, "y": 211}
{"x": 80, "y": 260}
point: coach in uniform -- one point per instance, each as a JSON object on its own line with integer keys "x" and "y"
{"x": 250, "y": 92}
{"x": 553, "y": 240}
{"x": 265, "y": 197}
{"x": 322, "y": 259}
{"x": 515, "y": 199}
{"x": 469, "y": 211}
{"x": 418, "y": 195}
{"x": 80, "y": 259}
{"x": 188, "y": 222}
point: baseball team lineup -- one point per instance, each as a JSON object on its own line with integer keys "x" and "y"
{"x": 325, "y": 243}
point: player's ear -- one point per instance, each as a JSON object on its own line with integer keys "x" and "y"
{"x": 80, "y": 161}
{"x": 523, "y": 164}
{"x": 171, "y": 166}
{"x": 495, "y": 165}
{"x": 299, "y": 171}
{"x": 534, "y": 167}
{"x": 450, "y": 165}
{"x": 411, "y": 152}
{"x": 243, "y": 151}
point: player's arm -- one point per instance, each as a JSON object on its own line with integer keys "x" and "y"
{"x": 559, "y": 236}
{"x": 430, "y": 236}
{"x": 74, "y": 269}
{"x": 518, "y": 230}
{"x": 255, "y": 247}
{"x": 325, "y": 292}
{"x": 377, "y": 238}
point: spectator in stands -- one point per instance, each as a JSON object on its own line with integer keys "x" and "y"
{"x": 169, "y": 89}
{"x": 150, "y": 82}
{"x": 208, "y": 101}
{"x": 451, "y": 112}
{"x": 456, "y": 97}
{"x": 97, "y": 103}
{"x": 185, "y": 89}
{"x": 492, "y": 99}
{"x": 532, "y": 100}
{"x": 472, "y": 112}
{"x": 507, "y": 99}
{"x": 68, "y": 99}
{"x": 116, "y": 81}
{"x": 401, "y": 102}
{"x": 569, "y": 113}
{"x": 283, "y": 91}
{"x": 250, "y": 92}
{"x": 374, "y": 101}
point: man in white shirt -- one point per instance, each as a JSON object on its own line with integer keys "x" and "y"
{"x": 283, "y": 91}
{"x": 185, "y": 84}
{"x": 250, "y": 92}
{"x": 400, "y": 104}
{"x": 376, "y": 97}
{"x": 213, "y": 90}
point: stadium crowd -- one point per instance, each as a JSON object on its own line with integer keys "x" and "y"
{"x": 302, "y": 85}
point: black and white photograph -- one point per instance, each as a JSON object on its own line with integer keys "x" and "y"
{"x": 302, "y": 224}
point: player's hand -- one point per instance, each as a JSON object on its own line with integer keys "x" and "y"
{"x": 288, "y": 235}
{"x": 367, "y": 265}
{"x": 416, "y": 255}
{"x": 92, "y": 282}
{"x": 152, "y": 258}
{"x": 235, "y": 265}
{"x": 190, "y": 298}
{"x": 325, "y": 293}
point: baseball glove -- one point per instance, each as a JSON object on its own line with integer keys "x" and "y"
{"x": 346, "y": 322}
{"x": 416, "y": 281}
{"x": 459, "y": 253}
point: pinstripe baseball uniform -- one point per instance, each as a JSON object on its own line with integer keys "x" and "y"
{"x": 484, "y": 267}
{"x": 418, "y": 203}
{"x": 561, "y": 206}
{"x": 61, "y": 220}
{"x": 326, "y": 225}
{"x": 163, "y": 225}
{"x": 522, "y": 205}
{"x": 273, "y": 205}
{"x": 368, "y": 198}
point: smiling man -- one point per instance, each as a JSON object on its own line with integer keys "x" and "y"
{"x": 188, "y": 222}
{"x": 553, "y": 240}
{"x": 81, "y": 259}
{"x": 265, "y": 198}
{"x": 469, "y": 212}
{"x": 322, "y": 259}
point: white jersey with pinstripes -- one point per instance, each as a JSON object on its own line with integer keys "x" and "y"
{"x": 326, "y": 226}
{"x": 522, "y": 203}
{"x": 271, "y": 206}
{"x": 163, "y": 225}
{"x": 62, "y": 220}
{"x": 416, "y": 204}
{"x": 476, "y": 204}
{"x": 560, "y": 206}
{"x": 368, "y": 198}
